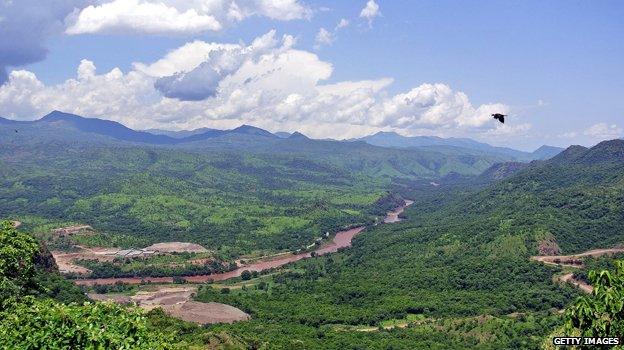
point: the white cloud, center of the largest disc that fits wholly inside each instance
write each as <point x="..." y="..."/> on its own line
<point x="342" y="24"/>
<point x="568" y="135"/>
<point x="284" y="10"/>
<point x="177" y="17"/>
<point x="604" y="131"/>
<point x="203" y="80"/>
<point x="267" y="83"/>
<point x="141" y="16"/>
<point x="323" y="38"/>
<point x="370" y="11"/>
<point x="183" y="59"/>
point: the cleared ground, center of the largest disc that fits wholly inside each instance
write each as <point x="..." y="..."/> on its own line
<point x="177" y="302"/>
<point x="65" y="260"/>
<point x="176" y="247"/>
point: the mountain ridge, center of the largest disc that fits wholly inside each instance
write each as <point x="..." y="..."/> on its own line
<point x="393" y="139"/>
<point x="450" y="146"/>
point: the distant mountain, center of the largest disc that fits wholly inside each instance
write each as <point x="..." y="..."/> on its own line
<point x="251" y="130"/>
<point x="546" y="152"/>
<point x="10" y="121"/>
<point x="105" y="127"/>
<point x="569" y="154"/>
<point x="180" y="134"/>
<point x="298" y="135"/>
<point x="120" y="132"/>
<point x="392" y="139"/>
<point x="282" y="134"/>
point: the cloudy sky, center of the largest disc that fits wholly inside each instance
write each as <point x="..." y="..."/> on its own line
<point x="335" y="69"/>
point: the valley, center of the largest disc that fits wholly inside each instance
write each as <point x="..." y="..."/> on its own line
<point x="341" y="239"/>
<point x="311" y="175"/>
<point x="265" y="240"/>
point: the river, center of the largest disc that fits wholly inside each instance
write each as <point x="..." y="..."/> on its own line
<point x="342" y="239"/>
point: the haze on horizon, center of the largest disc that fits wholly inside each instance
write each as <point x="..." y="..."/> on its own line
<point x="327" y="69"/>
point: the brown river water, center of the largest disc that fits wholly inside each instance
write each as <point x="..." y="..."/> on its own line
<point x="342" y="239"/>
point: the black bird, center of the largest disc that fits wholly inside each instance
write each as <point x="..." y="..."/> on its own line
<point x="499" y="117"/>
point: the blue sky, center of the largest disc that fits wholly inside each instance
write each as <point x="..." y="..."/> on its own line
<point x="555" y="66"/>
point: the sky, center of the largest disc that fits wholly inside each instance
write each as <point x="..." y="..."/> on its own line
<point x="338" y="69"/>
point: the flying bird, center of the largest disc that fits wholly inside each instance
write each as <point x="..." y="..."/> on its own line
<point x="499" y="117"/>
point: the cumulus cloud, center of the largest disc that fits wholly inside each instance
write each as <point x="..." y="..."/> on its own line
<point x="203" y="81"/>
<point x="25" y="26"/>
<point x="370" y="11"/>
<point x="178" y="17"/>
<point x="604" y="131"/>
<point x="323" y="37"/>
<point x="268" y="83"/>
<point x="141" y="16"/>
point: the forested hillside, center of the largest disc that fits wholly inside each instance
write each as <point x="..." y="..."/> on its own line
<point x="457" y="256"/>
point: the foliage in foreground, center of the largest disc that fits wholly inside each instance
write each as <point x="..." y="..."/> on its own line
<point x="602" y="313"/>
<point x="17" y="255"/>
<point x="27" y="322"/>
<point x="45" y="324"/>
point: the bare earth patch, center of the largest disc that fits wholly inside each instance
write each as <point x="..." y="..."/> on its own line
<point x="206" y="313"/>
<point x="65" y="261"/>
<point x="548" y="247"/>
<point x="176" y="247"/>
<point x="177" y="302"/>
<point x="569" y="278"/>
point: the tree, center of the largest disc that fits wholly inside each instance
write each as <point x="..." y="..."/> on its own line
<point x="246" y="275"/>
<point x="17" y="267"/>
<point x="602" y="313"/>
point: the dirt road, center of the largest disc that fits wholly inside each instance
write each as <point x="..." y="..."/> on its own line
<point x="576" y="261"/>
<point x="569" y="278"/>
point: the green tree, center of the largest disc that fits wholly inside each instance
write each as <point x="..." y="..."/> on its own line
<point x="17" y="256"/>
<point x="602" y="313"/>
<point x="45" y="324"/>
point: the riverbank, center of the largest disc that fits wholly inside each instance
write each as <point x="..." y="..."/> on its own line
<point x="342" y="239"/>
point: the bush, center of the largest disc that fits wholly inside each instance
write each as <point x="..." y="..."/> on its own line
<point x="602" y="313"/>
<point x="44" y="324"/>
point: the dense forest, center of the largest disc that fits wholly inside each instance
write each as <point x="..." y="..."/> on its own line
<point x="457" y="255"/>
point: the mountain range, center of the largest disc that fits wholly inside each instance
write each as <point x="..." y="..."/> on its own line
<point x="118" y="131"/>
<point x="392" y="139"/>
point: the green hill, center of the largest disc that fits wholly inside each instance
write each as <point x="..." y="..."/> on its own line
<point x="458" y="258"/>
